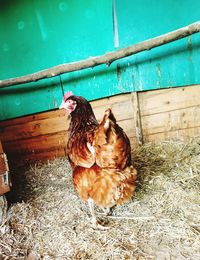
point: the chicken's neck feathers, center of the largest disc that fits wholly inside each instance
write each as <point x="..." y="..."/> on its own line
<point x="78" y="124"/>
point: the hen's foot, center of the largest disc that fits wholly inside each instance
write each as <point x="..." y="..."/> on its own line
<point x="107" y="211"/>
<point x="99" y="225"/>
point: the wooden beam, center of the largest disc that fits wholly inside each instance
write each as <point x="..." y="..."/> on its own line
<point x="107" y="58"/>
<point x="137" y="118"/>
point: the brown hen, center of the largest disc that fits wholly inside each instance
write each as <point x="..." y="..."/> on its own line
<point x="100" y="156"/>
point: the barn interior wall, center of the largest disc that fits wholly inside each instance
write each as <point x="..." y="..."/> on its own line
<point x="166" y="114"/>
<point x="36" y="35"/>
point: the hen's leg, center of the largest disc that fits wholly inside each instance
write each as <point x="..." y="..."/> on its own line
<point x="95" y="223"/>
<point x="91" y="207"/>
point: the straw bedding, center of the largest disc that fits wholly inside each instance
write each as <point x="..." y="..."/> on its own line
<point x="162" y="221"/>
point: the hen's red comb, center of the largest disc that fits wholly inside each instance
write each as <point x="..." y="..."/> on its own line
<point x="67" y="95"/>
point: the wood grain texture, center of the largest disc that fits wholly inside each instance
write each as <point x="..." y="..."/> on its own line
<point x="37" y="145"/>
<point x="22" y="159"/>
<point x="178" y="134"/>
<point x="34" y="128"/>
<point x="170" y="113"/>
<point x="36" y="117"/>
<point x="166" y="100"/>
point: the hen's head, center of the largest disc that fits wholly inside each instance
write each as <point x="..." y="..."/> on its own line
<point x="73" y="103"/>
<point x="82" y="115"/>
<point x="67" y="103"/>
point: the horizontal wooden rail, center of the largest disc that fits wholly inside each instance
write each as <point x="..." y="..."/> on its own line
<point x="107" y="58"/>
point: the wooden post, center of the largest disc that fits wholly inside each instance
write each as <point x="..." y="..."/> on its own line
<point x="137" y="118"/>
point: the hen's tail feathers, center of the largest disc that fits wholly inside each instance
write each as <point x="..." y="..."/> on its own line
<point x="107" y="119"/>
<point x="110" y="115"/>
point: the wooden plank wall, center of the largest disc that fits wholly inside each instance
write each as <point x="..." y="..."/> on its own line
<point x="146" y="116"/>
<point x="36" y="137"/>
<point x="170" y="113"/>
<point x="44" y="136"/>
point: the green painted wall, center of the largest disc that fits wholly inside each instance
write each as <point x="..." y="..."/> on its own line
<point x="174" y="64"/>
<point x="35" y="35"/>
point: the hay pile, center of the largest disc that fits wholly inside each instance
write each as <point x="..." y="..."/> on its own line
<point x="161" y="222"/>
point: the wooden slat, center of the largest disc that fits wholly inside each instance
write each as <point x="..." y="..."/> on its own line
<point x="37" y="144"/>
<point x="165" y="100"/>
<point x="40" y="116"/>
<point x="170" y="121"/>
<point x="18" y="160"/>
<point x="121" y="110"/>
<point x="179" y="134"/>
<point x="110" y="100"/>
<point x="34" y="128"/>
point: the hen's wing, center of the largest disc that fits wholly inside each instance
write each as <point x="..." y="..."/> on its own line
<point x="80" y="151"/>
<point x="111" y="144"/>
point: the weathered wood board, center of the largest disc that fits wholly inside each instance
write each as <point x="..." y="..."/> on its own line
<point x="170" y="114"/>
